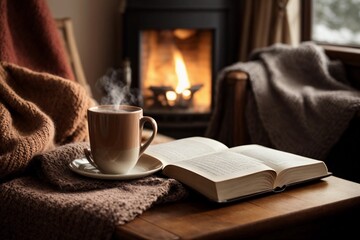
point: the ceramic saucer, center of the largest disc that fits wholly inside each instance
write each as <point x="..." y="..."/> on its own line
<point x="144" y="167"/>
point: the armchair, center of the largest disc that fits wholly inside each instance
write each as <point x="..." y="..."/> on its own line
<point x="236" y="87"/>
<point x="237" y="102"/>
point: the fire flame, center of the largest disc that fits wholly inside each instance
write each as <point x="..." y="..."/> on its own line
<point x="166" y="71"/>
<point x="181" y="72"/>
<point x="183" y="84"/>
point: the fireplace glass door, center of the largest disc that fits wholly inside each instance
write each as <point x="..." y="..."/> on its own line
<point x="176" y="70"/>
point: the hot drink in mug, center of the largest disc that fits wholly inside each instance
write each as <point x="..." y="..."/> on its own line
<point x="115" y="133"/>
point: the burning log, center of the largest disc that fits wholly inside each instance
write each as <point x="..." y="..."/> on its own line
<point x="166" y="96"/>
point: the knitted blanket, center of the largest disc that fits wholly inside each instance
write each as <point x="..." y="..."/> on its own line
<point x="59" y="204"/>
<point x="29" y="38"/>
<point x="37" y="112"/>
<point x="299" y="101"/>
<point x="43" y="127"/>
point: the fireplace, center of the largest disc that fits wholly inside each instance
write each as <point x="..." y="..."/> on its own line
<point x="176" y="48"/>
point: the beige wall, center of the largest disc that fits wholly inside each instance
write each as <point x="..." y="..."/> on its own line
<point x="95" y="24"/>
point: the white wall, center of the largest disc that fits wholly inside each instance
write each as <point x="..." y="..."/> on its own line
<point x="96" y="28"/>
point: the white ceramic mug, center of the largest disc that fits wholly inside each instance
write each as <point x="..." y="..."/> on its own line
<point x="115" y="133"/>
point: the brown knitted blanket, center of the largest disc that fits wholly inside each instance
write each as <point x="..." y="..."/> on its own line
<point x="29" y="38"/>
<point x="37" y="112"/>
<point x="300" y="101"/>
<point x="43" y="127"/>
<point x="58" y="204"/>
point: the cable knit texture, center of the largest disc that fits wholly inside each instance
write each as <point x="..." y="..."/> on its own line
<point x="37" y="112"/>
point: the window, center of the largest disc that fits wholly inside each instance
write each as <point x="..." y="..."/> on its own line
<point x="341" y="25"/>
<point x="336" y="22"/>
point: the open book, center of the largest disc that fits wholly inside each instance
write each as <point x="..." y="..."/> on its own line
<point x="223" y="174"/>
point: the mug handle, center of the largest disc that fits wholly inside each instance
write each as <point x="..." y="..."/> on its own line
<point x="154" y="126"/>
<point x="89" y="157"/>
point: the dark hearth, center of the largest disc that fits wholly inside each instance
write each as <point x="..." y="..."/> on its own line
<point x="171" y="41"/>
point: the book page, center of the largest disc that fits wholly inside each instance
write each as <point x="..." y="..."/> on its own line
<point x="223" y="165"/>
<point x="183" y="149"/>
<point x="275" y="159"/>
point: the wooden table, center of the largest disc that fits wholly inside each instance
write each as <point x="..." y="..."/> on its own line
<point x="326" y="208"/>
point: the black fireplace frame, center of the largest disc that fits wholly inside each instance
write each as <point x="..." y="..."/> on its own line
<point x="218" y="16"/>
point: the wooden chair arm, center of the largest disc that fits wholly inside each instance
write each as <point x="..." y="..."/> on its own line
<point x="237" y="85"/>
<point x="65" y="27"/>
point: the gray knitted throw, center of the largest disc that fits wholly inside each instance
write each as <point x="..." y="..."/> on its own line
<point x="56" y="203"/>
<point x="299" y="101"/>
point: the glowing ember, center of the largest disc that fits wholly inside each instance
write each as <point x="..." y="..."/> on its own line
<point x="165" y="96"/>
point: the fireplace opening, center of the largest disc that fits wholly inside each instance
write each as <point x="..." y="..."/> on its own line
<point x="176" y="70"/>
<point x="176" y="49"/>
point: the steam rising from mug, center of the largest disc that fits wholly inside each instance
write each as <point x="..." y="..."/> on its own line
<point x="115" y="87"/>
